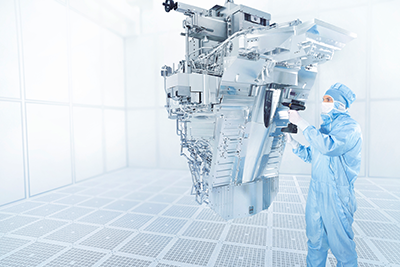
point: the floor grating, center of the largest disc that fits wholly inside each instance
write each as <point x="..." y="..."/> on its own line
<point x="147" y="218"/>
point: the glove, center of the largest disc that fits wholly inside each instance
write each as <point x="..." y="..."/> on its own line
<point x="289" y="139"/>
<point x="295" y="118"/>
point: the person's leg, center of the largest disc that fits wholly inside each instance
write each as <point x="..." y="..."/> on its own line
<point x="317" y="239"/>
<point x="338" y="221"/>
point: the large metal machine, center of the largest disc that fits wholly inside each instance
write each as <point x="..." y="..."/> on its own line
<point x="230" y="97"/>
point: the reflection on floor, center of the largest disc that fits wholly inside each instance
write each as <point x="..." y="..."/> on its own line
<point x="147" y="218"/>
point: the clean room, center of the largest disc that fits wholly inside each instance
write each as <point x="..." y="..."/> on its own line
<point x="91" y="171"/>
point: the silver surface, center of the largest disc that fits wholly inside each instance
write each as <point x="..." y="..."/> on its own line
<point x="226" y="97"/>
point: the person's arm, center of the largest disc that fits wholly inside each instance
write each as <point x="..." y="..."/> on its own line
<point x="301" y="151"/>
<point x="304" y="153"/>
<point x="335" y="143"/>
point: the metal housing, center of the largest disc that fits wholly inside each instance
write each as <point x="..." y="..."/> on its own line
<point x="227" y="95"/>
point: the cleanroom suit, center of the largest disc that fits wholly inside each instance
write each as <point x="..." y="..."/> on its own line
<point x="335" y="156"/>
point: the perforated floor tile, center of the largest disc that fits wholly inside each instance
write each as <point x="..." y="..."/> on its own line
<point x="191" y="251"/>
<point x="288" y="198"/>
<point x="166" y="225"/>
<point x="115" y="261"/>
<point x="4" y="216"/>
<point x="39" y="228"/>
<point x="132" y="221"/>
<point x="303" y="184"/>
<point x="8" y="244"/>
<point x="364" y="251"/>
<point x="285" y="178"/>
<point x="93" y="191"/>
<point x="303" y="178"/>
<point x="31" y="255"/>
<point x="208" y="214"/>
<point x="247" y="235"/>
<point x="389" y="249"/>
<point x="260" y="219"/>
<point x="72" y="200"/>
<point x="188" y="200"/>
<point x="283" y="183"/>
<point x="304" y="190"/>
<point x="288" y="259"/>
<point x="380" y="230"/>
<point x="167" y="265"/>
<point x="107" y="238"/>
<point x="370" y="187"/>
<point x="394" y="214"/>
<point x="108" y="184"/>
<point x="288" y="189"/>
<point x="289" y="221"/>
<point x="72" y="189"/>
<point x="24" y="206"/>
<point x="152" y="188"/>
<point x="362" y="203"/>
<point x="231" y="255"/>
<point x="49" y="197"/>
<point x="391" y="187"/>
<point x="294" y="208"/>
<point x="177" y="190"/>
<point x="122" y="205"/>
<point x="71" y="233"/>
<point x="181" y="211"/>
<point x="96" y="202"/>
<point x="387" y="204"/>
<point x="91" y="182"/>
<point x="72" y="213"/>
<point x="289" y="239"/>
<point x="205" y="230"/>
<point x="115" y="193"/>
<point x="46" y="210"/>
<point x="139" y="195"/>
<point x="77" y="257"/>
<point x="150" y="208"/>
<point x="13" y="223"/>
<point x="100" y="216"/>
<point x="370" y="215"/>
<point x="365" y="264"/>
<point x="238" y="247"/>
<point x="146" y="245"/>
<point x="378" y="195"/>
<point x="164" y="198"/>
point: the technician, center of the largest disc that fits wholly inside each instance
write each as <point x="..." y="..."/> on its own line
<point x="335" y="157"/>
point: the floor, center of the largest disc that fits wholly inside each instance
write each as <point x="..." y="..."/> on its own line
<point x="148" y="218"/>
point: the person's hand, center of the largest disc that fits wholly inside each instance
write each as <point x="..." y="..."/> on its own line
<point x="294" y="117"/>
<point x="289" y="139"/>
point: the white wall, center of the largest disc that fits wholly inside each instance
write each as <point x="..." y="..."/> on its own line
<point x="368" y="65"/>
<point x="62" y="98"/>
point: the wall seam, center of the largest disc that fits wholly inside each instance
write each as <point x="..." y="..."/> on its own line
<point x="367" y="143"/>
<point x="126" y="106"/>
<point x="24" y="123"/>
<point x="71" y="97"/>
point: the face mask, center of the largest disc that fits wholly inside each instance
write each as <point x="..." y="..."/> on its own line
<point x="326" y="107"/>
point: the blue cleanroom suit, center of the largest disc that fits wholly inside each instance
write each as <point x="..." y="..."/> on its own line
<point x="335" y="156"/>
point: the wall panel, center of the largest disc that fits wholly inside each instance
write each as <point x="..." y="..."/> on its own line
<point x="44" y="31"/>
<point x="115" y="139"/>
<point x="88" y="142"/>
<point x="9" y="72"/>
<point x="49" y="147"/>
<point x="85" y="60"/>
<point x="12" y="185"/>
